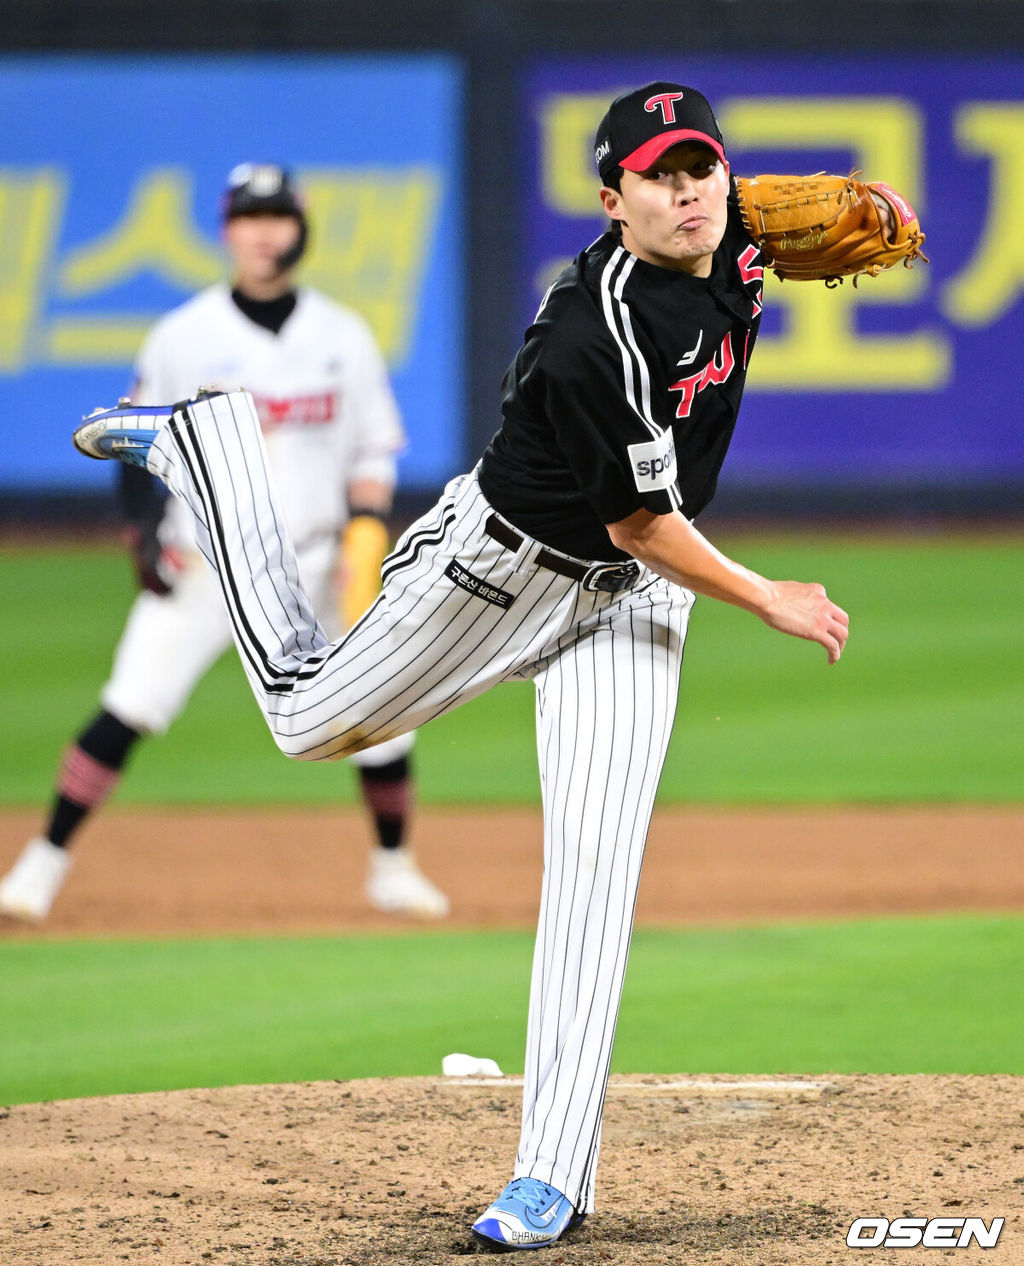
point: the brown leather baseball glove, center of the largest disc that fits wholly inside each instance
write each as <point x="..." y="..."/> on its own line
<point x="825" y="228"/>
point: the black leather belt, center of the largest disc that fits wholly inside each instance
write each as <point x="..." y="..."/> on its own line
<point x="606" y="577"/>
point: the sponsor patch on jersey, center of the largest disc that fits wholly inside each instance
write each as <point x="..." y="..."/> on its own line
<point x="654" y="463"/>
<point x="473" y="584"/>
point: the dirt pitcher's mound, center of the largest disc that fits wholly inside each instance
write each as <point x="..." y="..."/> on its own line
<point x="757" y="1171"/>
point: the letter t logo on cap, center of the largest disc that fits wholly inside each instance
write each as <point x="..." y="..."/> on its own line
<point x="666" y="103"/>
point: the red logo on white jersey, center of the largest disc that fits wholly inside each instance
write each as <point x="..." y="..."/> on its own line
<point x="314" y="410"/>
<point x="714" y="373"/>
<point x="666" y="103"/>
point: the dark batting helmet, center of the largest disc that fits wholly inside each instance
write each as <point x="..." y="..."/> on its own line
<point x="266" y="189"/>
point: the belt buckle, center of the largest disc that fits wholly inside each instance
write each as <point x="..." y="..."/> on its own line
<point x="610" y="577"/>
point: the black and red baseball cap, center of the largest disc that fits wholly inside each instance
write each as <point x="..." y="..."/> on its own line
<point x="643" y="123"/>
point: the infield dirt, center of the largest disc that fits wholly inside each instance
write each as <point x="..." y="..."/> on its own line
<point x="734" y="1171"/>
<point x="302" y="870"/>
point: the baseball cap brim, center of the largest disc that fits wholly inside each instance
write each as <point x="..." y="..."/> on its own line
<point x="649" y="153"/>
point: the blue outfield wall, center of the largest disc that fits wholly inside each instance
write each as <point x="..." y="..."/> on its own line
<point x="111" y="175"/>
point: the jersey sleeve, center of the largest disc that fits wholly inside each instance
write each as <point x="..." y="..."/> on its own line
<point x="598" y="398"/>
<point x="374" y="435"/>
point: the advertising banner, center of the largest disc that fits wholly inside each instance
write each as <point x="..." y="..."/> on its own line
<point x="111" y="176"/>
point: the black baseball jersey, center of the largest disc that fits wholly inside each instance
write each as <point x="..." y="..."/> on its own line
<point x="624" y="394"/>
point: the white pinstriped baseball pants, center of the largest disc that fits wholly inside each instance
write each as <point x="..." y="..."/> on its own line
<point x="606" y="671"/>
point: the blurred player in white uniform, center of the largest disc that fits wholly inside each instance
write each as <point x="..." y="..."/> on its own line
<point x="332" y="431"/>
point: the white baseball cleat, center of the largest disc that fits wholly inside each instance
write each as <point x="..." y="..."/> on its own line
<point x="396" y="885"/>
<point x="30" y="887"/>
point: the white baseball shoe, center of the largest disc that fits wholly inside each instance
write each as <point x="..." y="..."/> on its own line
<point x="396" y="885"/>
<point x="30" y="887"/>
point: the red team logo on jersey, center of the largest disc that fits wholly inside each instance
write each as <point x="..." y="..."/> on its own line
<point x="749" y="271"/>
<point x="721" y="365"/>
<point x="714" y="373"/>
<point x="314" y="410"/>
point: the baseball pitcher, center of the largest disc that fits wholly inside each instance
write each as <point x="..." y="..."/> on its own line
<point x="568" y="557"/>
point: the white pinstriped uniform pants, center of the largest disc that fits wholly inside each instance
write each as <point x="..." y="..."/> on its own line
<point x="606" y="670"/>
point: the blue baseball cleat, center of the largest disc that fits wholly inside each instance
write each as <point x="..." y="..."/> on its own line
<point x="124" y="433"/>
<point x="527" y="1214"/>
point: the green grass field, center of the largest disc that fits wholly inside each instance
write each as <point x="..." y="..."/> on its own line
<point x="927" y="705"/>
<point x="935" y="995"/>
